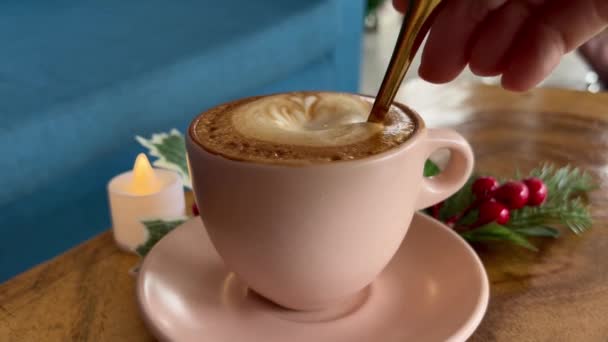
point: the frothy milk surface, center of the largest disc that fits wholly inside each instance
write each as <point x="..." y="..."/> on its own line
<point x="300" y="128"/>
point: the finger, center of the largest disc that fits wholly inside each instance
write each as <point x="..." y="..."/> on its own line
<point x="445" y="53"/>
<point x="535" y="58"/>
<point x="561" y="26"/>
<point x="496" y="35"/>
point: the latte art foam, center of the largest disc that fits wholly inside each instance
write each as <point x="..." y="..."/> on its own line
<point x="303" y="127"/>
<point x="311" y="120"/>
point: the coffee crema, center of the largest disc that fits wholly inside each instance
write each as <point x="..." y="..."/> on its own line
<point x="300" y="128"/>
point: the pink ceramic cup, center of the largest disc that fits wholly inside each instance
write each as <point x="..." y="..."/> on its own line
<point x="308" y="237"/>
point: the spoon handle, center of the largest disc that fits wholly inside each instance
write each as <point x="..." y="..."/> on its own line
<point x="416" y="24"/>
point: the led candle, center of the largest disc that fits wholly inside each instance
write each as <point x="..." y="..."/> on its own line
<point x="143" y="193"/>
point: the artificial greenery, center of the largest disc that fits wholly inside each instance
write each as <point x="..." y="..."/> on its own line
<point x="156" y="230"/>
<point x="373" y="5"/>
<point x="564" y="207"/>
<point x="497" y="232"/>
<point x="170" y="151"/>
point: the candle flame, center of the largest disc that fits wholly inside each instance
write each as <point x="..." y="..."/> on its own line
<point x="144" y="180"/>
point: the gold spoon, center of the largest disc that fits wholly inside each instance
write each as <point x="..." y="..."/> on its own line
<point x="416" y="24"/>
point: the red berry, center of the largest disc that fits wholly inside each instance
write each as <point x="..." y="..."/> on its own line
<point x="194" y="209"/>
<point x="492" y="211"/>
<point x="513" y="194"/>
<point x="484" y="187"/>
<point x="538" y="191"/>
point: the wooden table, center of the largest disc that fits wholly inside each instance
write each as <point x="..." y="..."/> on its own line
<point x="557" y="294"/>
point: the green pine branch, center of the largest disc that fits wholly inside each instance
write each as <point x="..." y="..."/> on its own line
<point x="563" y="183"/>
<point x="572" y="214"/>
<point x="565" y="207"/>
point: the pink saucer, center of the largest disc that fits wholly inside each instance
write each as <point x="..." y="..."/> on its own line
<point x="435" y="289"/>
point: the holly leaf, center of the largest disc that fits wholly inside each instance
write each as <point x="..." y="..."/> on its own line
<point x="458" y="202"/>
<point x="539" y="231"/>
<point x="157" y="229"/>
<point x="469" y="218"/>
<point x="170" y="149"/>
<point x="431" y="169"/>
<point x="497" y="232"/>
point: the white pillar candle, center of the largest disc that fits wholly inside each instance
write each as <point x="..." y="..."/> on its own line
<point x="140" y="194"/>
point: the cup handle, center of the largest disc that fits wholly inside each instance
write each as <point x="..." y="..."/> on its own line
<point x="459" y="168"/>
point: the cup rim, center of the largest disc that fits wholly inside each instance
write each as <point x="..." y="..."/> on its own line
<point x="419" y="128"/>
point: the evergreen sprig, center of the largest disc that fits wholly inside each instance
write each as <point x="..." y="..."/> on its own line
<point x="565" y="207"/>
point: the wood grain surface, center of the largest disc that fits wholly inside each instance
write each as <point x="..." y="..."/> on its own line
<point x="557" y="294"/>
<point x="561" y="292"/>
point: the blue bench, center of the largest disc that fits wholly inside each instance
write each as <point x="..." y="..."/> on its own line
<point x="79" y="79"/>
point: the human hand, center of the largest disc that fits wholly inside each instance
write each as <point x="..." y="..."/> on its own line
<point x="522" y="40"/>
